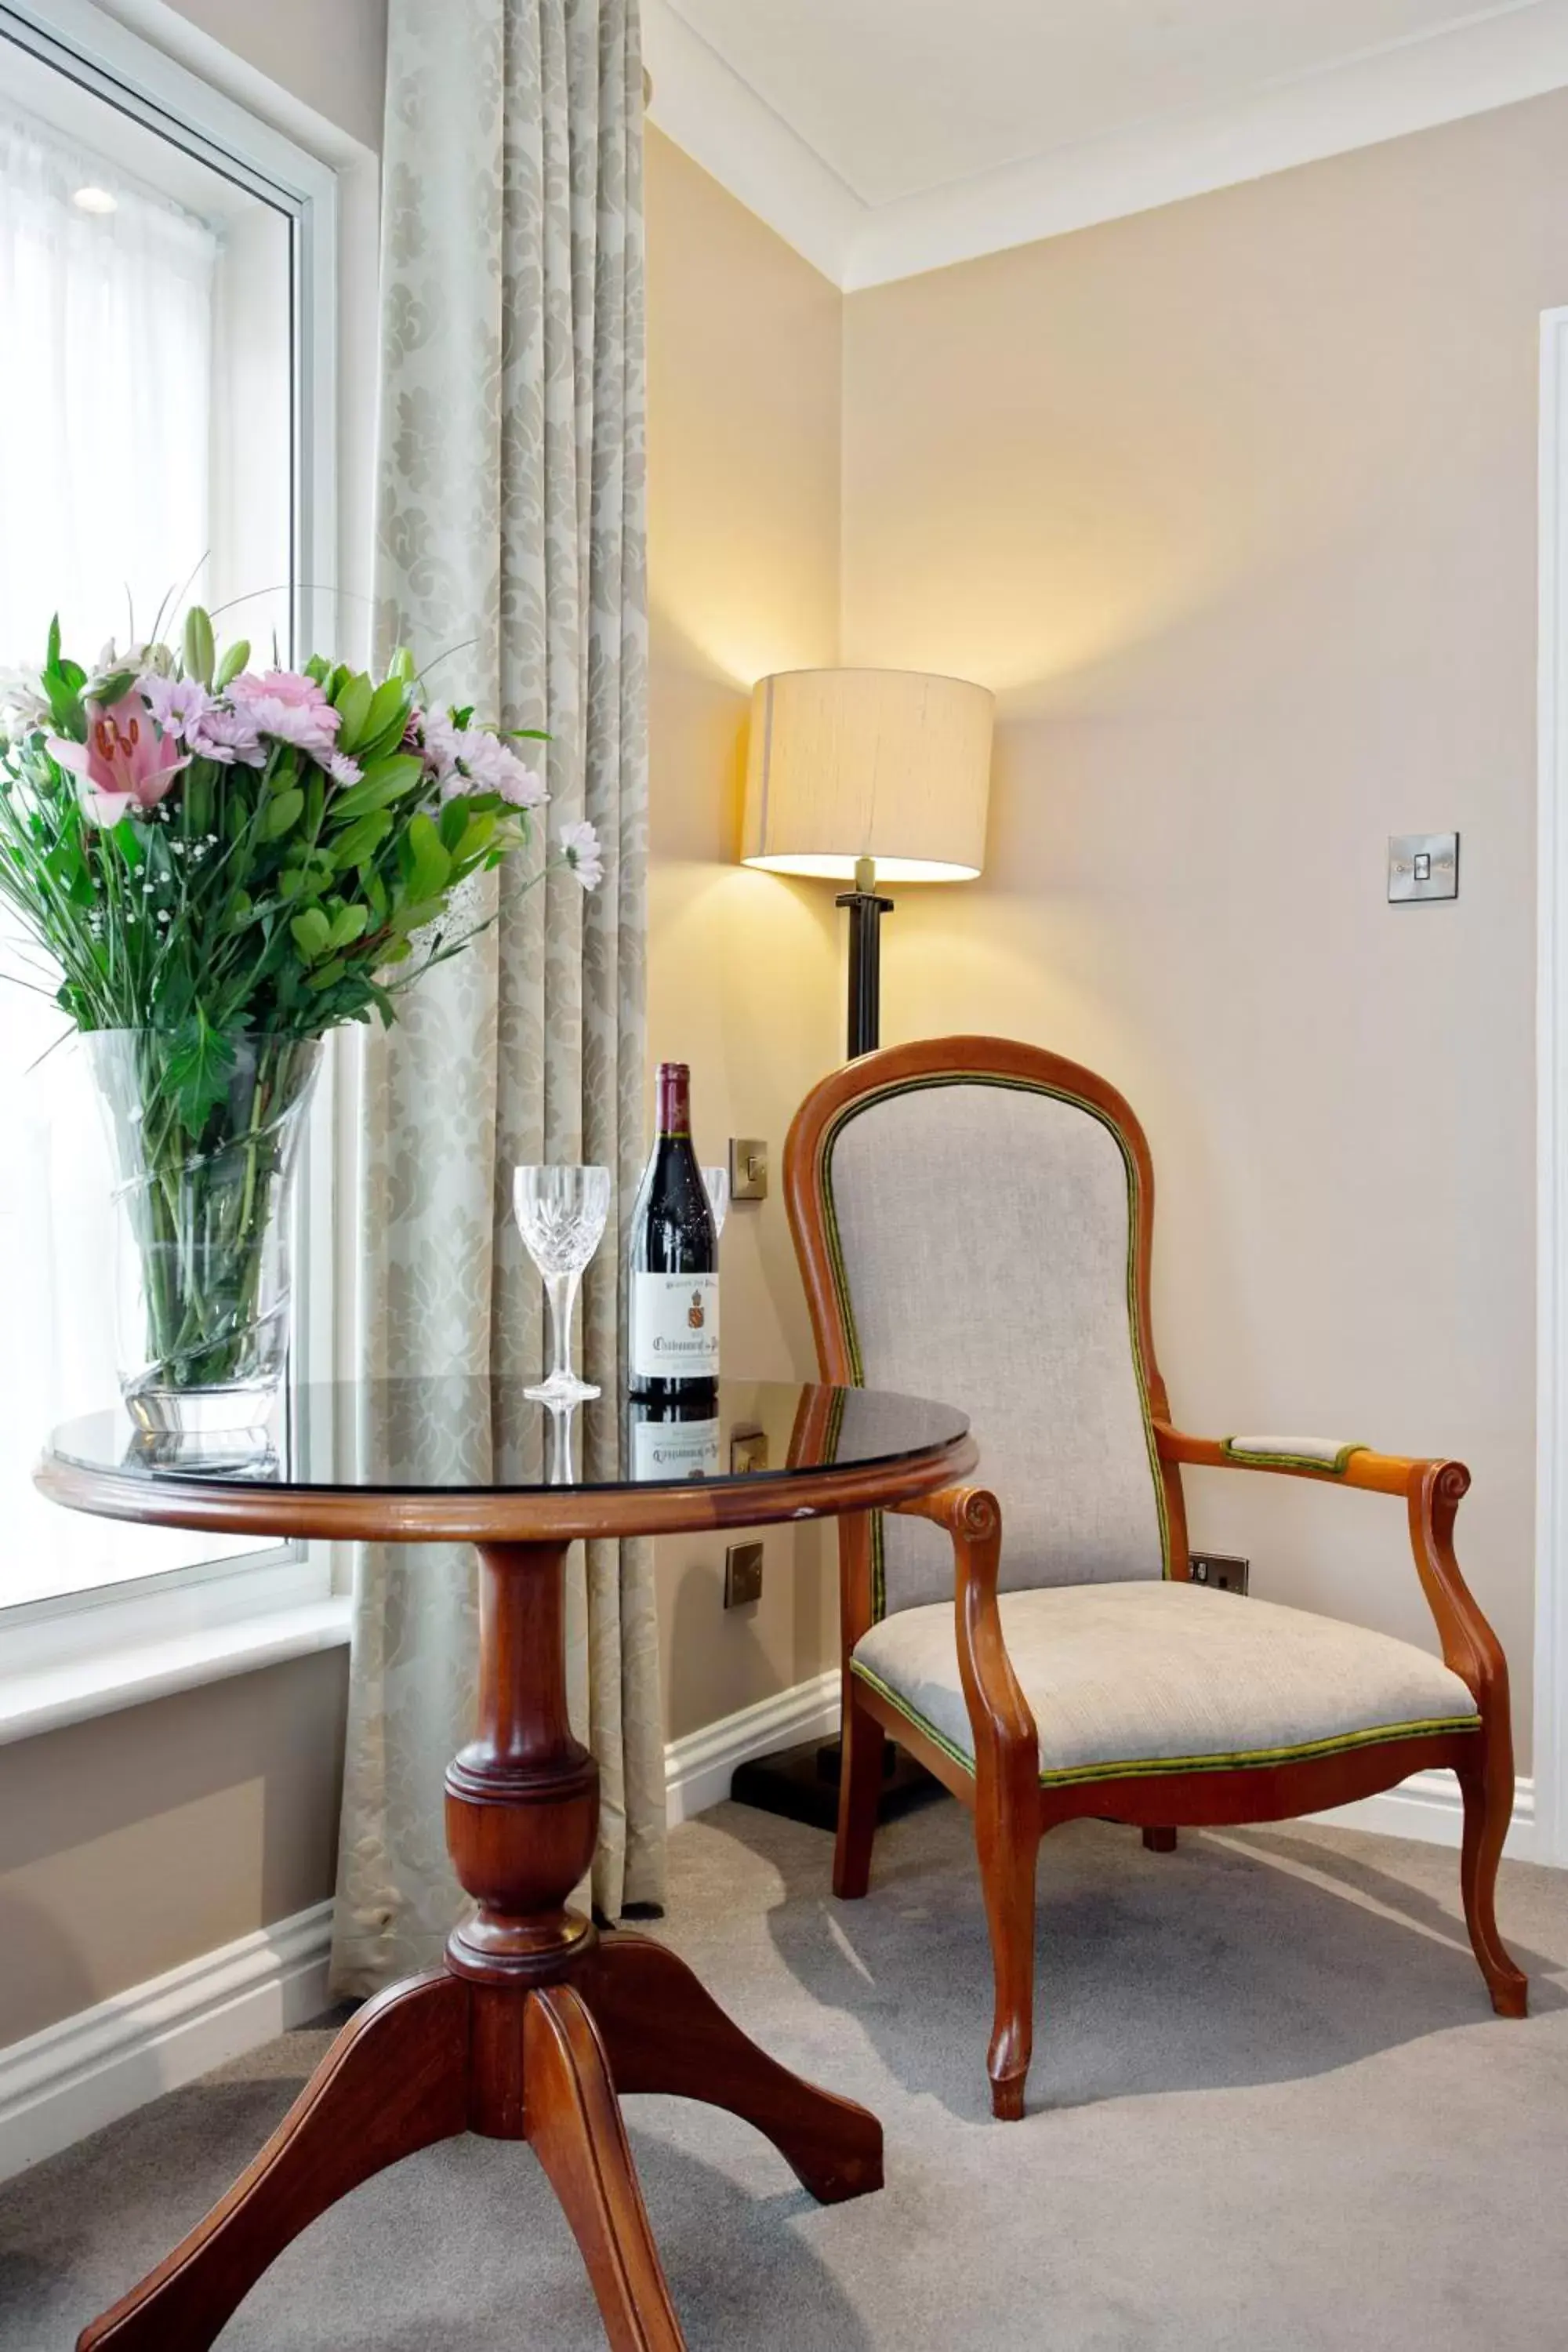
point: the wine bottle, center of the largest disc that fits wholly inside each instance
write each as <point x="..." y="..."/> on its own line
<point x="673" y="1290"/>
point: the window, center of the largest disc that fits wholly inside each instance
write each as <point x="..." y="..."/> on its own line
<point x="166" y="433"/>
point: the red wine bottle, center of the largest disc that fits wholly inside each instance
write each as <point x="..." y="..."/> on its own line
<point x="673" y="1290"/>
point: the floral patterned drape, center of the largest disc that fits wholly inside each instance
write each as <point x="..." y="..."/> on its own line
<point x="510" y="544"/>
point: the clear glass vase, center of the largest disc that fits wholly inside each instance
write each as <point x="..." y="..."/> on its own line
<point x="203" y="1240"/>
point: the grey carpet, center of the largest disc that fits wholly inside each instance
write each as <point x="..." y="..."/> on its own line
<point x="1270" y="2112"/>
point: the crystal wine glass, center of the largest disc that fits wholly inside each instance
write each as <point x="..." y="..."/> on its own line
<point x="716" y="1182"/>
<point x="561" y="1214"/>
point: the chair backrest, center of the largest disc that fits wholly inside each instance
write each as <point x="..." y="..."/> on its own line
<point x="973" y="1218"/>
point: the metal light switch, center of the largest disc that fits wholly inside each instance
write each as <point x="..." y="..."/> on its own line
<point x="747" y="1168"/>
<point x="1423" y="865"/>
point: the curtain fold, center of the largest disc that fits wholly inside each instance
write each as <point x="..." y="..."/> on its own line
<point x="510" y="550"/>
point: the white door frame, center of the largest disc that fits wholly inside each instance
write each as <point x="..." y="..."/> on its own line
<point x="1550" y="1746"/>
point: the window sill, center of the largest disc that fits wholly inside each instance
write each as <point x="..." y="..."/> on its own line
<point x="48" y="1697"/>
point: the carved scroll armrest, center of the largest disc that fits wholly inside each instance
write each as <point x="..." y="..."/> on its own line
<point x="1433" y="1491"/>
<point x="1005" y="1741"/>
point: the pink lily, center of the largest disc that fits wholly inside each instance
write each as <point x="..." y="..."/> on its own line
<point x="124" y="765"/>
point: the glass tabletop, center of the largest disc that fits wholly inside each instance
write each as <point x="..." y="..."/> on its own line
<point x="457" y="1435"/>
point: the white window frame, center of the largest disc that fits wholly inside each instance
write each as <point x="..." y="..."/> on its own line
<point x="68" y="1656"/>
<point x="1551" y="1737"/>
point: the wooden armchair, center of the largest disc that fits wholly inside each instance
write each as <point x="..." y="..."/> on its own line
<point x="974" y="1218"/>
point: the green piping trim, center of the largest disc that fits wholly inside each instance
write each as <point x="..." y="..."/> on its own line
<point x="841" y="1282"/>
<point x="1143" y="1768"/>
<point x="1335" y="1468"/>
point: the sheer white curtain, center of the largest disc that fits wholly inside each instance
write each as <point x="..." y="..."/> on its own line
<point x="105" y="409"/>
<point x="105" y="397"/>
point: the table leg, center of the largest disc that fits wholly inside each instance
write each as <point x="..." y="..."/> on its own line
<point x="664" y="2031"/>
<point x="574" y="2128"/>
<point x="531" y="2032"/>
<point x="393" y="2081"/>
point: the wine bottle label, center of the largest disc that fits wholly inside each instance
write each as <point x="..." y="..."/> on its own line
<point x="674" y="1330"/>
<point x="675" y="1449"/>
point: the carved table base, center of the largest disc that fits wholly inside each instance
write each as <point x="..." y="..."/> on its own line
<point x="530" y="2031"/>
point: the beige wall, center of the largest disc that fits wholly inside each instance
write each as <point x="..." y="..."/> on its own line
<point x="743" y="529"/>
<point x="1234" y="503"/>
<point x="141" y="1838"/>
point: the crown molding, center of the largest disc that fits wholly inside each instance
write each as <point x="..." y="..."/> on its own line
<point x="1494" y="59"/>
<point x="719" y="121"/>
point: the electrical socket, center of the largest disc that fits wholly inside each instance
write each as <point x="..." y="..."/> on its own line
<point x="1223" y="1570"/>
<point x="742" y="1575"/>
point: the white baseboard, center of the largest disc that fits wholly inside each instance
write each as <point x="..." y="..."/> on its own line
<point x="1427" y="1807"/>
<point x="104" y="2063"/>
<point x="697" y="1769"/>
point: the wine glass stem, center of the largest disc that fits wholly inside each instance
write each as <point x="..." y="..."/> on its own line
<point x="561" y="1289"/>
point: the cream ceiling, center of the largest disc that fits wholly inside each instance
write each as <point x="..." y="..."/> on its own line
<point x="884" y="136"/>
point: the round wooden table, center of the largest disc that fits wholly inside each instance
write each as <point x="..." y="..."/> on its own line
<point x="536" y="2023"/>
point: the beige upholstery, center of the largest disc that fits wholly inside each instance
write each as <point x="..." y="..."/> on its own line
<point x="1297" y="1453"/>
<point x="1150" y="1675"/>
<point x="985" y="1232"/>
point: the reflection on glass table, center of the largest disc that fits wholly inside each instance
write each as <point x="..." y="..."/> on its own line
<point x="477" y="1434"/>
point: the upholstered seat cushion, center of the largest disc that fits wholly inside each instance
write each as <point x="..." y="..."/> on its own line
<point x="1155" y="1676"/>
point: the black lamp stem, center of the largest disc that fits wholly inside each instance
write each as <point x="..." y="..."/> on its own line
<point x="866" y="908"/>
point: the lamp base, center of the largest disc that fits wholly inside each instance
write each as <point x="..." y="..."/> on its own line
<point x="866" y="908"/>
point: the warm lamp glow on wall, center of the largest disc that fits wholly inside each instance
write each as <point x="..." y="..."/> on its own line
<point x="867" y="776"/>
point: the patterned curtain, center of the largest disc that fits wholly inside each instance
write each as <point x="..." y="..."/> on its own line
<point x="510" y="545"/>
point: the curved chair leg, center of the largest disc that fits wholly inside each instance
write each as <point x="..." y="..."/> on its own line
<point x="575" y="2130"/>
<point x="665" y="2031"/>
<point x="393" y="2081"/>
<point x="1488" y="1808"/>
<point x="1160" y="1841"/>
<point x="1009" y="1849"/>
<point x="859" y="1792"/>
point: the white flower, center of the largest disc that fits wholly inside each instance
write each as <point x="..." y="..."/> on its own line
<point x="581" y="844"/>
<point x="22" y="698"/>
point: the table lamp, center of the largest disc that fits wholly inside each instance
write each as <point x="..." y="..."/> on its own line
<point x="867" y="776"/>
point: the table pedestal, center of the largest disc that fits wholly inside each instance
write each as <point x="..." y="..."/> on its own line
<point x="531" y="2031"/>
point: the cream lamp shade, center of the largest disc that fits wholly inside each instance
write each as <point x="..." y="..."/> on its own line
<point x="846" y="764"/>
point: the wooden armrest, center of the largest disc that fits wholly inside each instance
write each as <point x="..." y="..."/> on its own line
<point x="1433" y="1491"/>
<point x="1345" y="1465"/>
<point x="1005" y="1741"/>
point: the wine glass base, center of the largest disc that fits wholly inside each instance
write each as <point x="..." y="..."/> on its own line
<point x="561" y="1388"/>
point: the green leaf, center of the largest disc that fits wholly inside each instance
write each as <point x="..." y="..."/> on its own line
<point x="199" y="647"/>
<point x="232" y="662"/>
<point x="453" y="824"/>
<point x="383" y="781"/>
<point x="476" y="840"/>
<point x="352" y="701"/>
<point x="315" y="801"/>
<point x="199" y="1068"/>
<point x="52" y="658"/>
<point x="388" y="704"/>
<point x="312" y="933"/>
<point x="401" y="666"/>
<point x="361" y="840"/>
<point x="282" y="813"/>
<point x="328" y="974"/>
<point x="428" y="863"/>
<point x="349" y="924"/>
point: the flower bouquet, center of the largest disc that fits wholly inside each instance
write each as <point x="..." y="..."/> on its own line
<point x="220" y="865"/>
